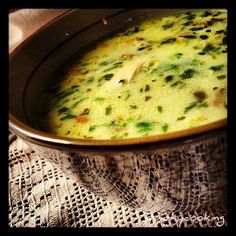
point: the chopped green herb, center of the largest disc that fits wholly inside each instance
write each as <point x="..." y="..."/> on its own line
<point x="189" y="107"/>
<point x="108" y="110"/>
<point x="133" y="106"/>
<point x="115" y="123"/>
<point x="85" y="112"/>
<point x="187" y="23"/>
<point x="68" y="116"/>
<point x="208" y="48"/>
<point x="168" y="25"/>
<point x="76" y="103"/>
<point x="115" y="65"/>
<point x="188" y="36"/>
<point x="160" y="109"/>
<point x="164" y="68"/>
<point x="144" y="47"/>
<point x="90" y="80"/>
<point x="147" y="87"/>
<point x="181" y="118"/>
<point x="176" y="83"/>
<point x="66" y="93"/>
<point x="168" y="40"/>
<point x="206" y="13"/>
<point x="147" y="98"/>
<point x="220" y="77"/>
<point x="132" y="31"/>
<point x="143" y="126"/>
<point x="217" y="68"/>
<point x="92" y="128"/>
<point x="188" y="74"/>
<point x="107" y="76"/>
<point x="169" y="78"/>
<point x="196" y="28"/>
<point x="190" y="16"/>
<point x="74" y="86"/>
<point x="63" y="109"/>
<point x="164" y="128"/>
<point x="203" y="105"/>
<point x="104" y="63"/>
<point x="220" y="31"/>
<point x="178" y="55"/>
<point x="127" y="95"/>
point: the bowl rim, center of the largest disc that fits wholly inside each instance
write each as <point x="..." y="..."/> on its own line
<point x="21" y="129"/>
<point x="25" y="131"/>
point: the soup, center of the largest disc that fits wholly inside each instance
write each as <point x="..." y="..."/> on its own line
<point x="155" y="77"/>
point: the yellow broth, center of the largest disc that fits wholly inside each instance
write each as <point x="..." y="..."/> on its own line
<point x="156" y="77"/>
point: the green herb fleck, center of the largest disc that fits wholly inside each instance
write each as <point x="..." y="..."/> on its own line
<point x="104" y="63"/>
<point x="147" y="88"/>
<point x="115" y="65"/>
<point x="92" y="128"/>
<point x="181" y="118"/>
<point x="107" y="76"/>
<point x="76" y="103"/>
<point x="85" y="112"/>
<point x="220" y="77"/>
<point x="63" y="109"/>
<point x="176" y="83"/>
<point x="90" y="80"/>
<point x="147" y="98"/>
<point x="203" y="105"/>
<point x="178" y="55"/>
<point x="143" y="126"/>
<point x="217" y="68"/>
<point x="208" y="48"/>
<point x="169" y="78"/>
<point x="132" y="31"/>
<point x="188" y="74"/>
<point x="164" y="68"/>
<point x="67" y="92"/>
<point x="190" y="106"/>
<point x="168" y="25"/>
<point x="190" y="16"/>
<point x="133" y="106"/>
<point x="108" y="110"/>
<point x="168" y="40"/>
<point x="68" y="116"/>
<point x="160" y="109"/>
<point x="164" y="128"/>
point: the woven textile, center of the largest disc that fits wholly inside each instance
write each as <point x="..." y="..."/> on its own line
<point x="62" y="189"/>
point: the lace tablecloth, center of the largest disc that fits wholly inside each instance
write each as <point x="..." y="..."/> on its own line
<point x="41" y="194"/>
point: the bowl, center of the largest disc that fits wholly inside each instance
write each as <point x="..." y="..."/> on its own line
<point x="171" y="172"/>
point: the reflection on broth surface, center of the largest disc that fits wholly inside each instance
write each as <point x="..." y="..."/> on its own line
<point x="156" y="77"/>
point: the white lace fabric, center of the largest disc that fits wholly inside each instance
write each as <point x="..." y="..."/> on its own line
<point x="64" y="190"/>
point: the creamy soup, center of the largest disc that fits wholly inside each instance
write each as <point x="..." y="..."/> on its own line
<point x="156" y="77"/>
